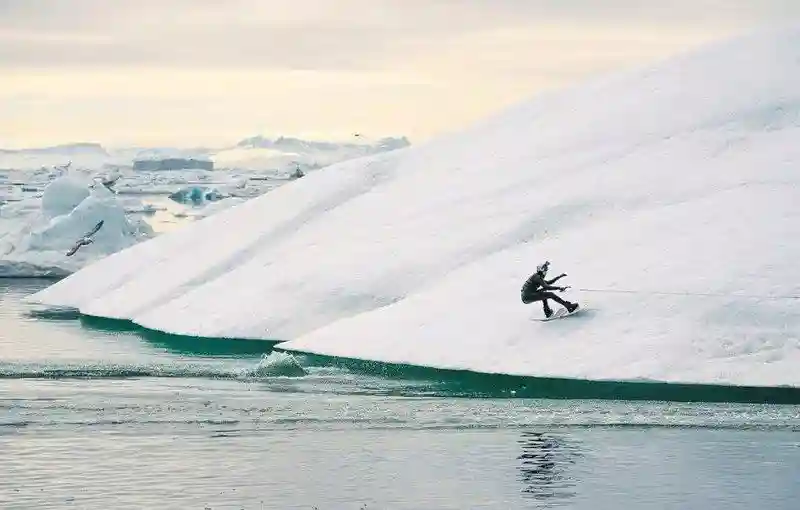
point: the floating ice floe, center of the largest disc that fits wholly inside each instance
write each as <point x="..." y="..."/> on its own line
<point x="196" y="195"/>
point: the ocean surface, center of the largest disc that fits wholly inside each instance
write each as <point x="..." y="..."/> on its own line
<point x="100" y="414"/>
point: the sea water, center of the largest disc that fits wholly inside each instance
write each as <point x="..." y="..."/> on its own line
<point x="100" y="414"/>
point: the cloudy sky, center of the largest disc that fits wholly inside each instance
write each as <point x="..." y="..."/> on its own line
<point x="186" y="72"/>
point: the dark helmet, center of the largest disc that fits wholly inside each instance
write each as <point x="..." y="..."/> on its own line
<point x="542" y="268"/>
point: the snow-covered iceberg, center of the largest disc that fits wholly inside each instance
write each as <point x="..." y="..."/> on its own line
<point x="671" y="193"/>
<point x="38" y="233"/>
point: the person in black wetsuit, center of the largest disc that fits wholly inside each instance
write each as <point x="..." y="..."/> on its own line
<point x="537" y="288"/>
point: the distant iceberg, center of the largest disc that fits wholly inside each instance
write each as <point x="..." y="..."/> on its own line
<point x="167" y="164"/>
<point x="39" y="233"/>
<point x="253" y="154"/>
<point x="670" y="194"/>
<point x="197" y="195"/>
<point x="286" y="154"/>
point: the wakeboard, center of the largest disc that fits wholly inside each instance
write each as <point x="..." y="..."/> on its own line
<point x="560" y="314"/>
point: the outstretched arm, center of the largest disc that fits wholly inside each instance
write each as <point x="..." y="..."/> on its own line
<point x="554" y="280"/>
<point x="537" y="282"/>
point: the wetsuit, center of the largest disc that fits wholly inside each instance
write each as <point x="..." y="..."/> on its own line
<point x="536" y="288"/>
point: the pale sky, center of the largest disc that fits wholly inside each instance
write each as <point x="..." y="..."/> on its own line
<point x="205" y="72"/>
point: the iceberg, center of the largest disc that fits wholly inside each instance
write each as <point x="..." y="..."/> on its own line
<point x="63" y="195"/>
<point x="286" y="155"/>
<point x="670" y="194"/>
<point x="41" y="232"/>
<point x="255" y="154"/>
<point x="196" y="195"/>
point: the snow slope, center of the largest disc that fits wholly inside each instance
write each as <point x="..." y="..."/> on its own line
<point x="671" y="192"/>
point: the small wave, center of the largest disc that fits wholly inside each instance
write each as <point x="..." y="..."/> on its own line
<point x="229" y="427"/>
<point x="375" y="422"/>
<point x="14" y="424"/>
<point x="138" y="422"/>
<point x="279" y="364"/>
<point x="125" y="371"/>
<point x="54" y="314"/>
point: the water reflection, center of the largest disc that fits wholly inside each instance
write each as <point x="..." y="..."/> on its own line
<point x="544" y="469"/>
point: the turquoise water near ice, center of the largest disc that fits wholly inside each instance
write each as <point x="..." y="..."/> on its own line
<point x="101" y="414"/>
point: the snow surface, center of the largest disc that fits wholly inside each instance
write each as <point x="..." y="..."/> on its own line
<point x="671" y="192"/>
<point x="37" y="233"/>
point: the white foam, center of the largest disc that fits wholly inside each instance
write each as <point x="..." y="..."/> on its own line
<point x="278" y="364"/>
<point x="677" y="182"/>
